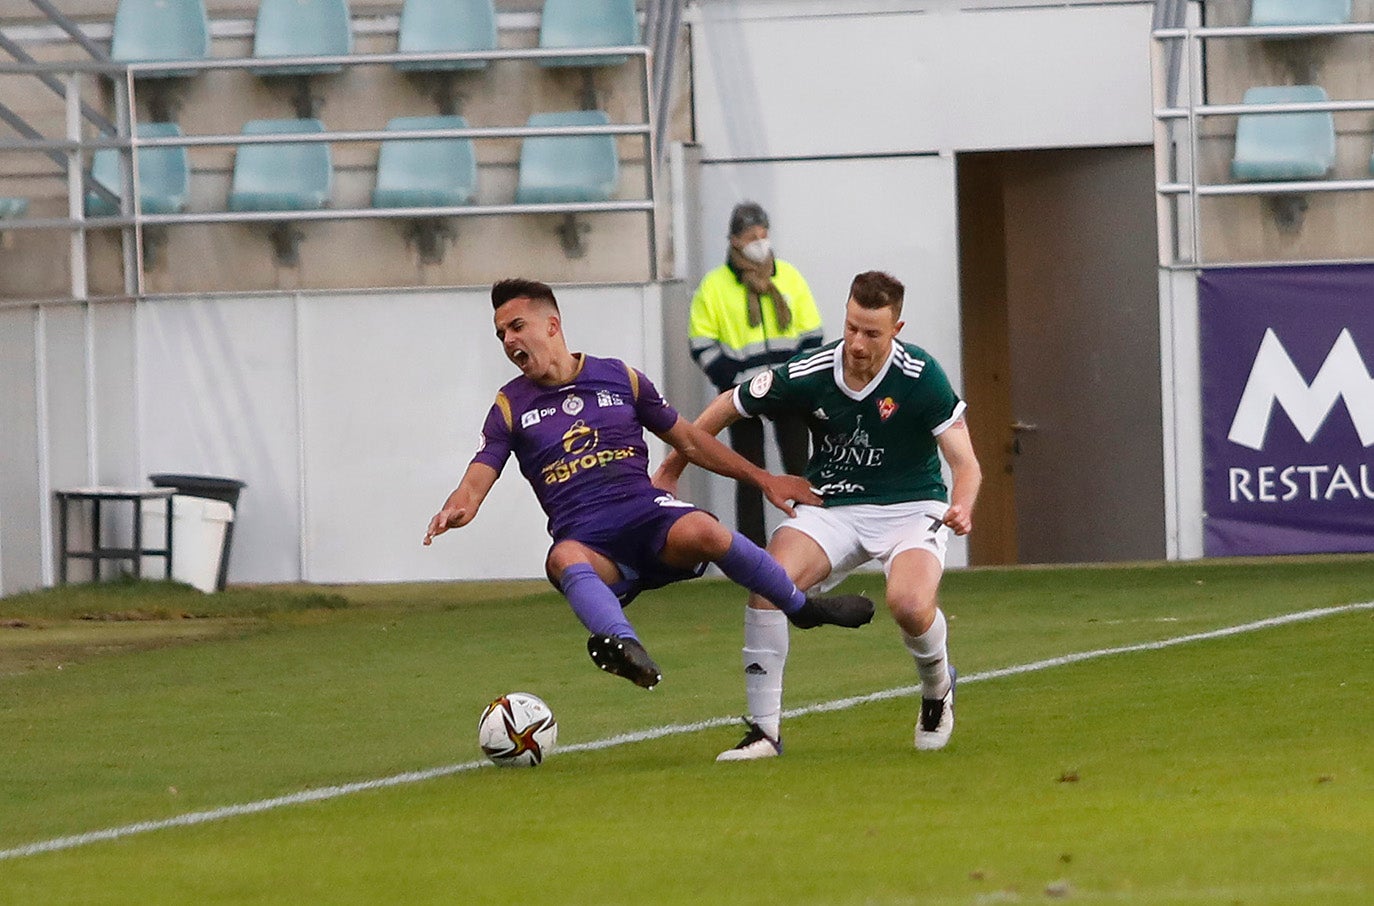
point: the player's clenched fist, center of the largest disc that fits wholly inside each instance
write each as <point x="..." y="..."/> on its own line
<point x="959" y="519"/>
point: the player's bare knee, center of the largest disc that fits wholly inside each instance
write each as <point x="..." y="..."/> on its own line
<point x="702" y="539"/>
<point x="716" y="541"/>
<point x="561" y="556"/>
<point x="914" y="613"/>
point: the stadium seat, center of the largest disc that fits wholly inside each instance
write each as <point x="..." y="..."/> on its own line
<point x="568" y="168"/>
<point x="160" y="30"/>
<point x="299" y="28"/>
<point x="422" y="173"/>
<point x="1299" y="12"/>
<point x="430" y="26"/>
<point x="587" y="23"/>
<point x="1284" y="146"/>
<point x="425" y="173"/>
<point x="164" y="175"/>
<point x="282" y="177"/>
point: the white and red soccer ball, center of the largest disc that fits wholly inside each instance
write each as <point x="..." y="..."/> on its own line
<point x="517" y="730"/>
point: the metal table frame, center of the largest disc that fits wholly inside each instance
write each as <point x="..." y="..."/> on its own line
<point x="97" y="553"/>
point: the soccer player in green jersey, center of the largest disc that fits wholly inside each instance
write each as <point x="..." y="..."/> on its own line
<point x="881" y="414"/>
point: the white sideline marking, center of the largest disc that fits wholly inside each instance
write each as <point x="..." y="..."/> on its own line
<point x="346" y="789"/>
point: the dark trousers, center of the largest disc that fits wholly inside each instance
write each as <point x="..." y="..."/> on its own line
<point x="746" y="437"/>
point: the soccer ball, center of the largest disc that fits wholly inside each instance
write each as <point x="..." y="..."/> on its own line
<point x="517" y="730"/>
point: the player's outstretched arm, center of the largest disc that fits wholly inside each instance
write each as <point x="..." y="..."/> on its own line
<point x="718" y="415"/>
<point x="701" y="448"/>
<point x="463" y="503"/>
<point x="957" y="448"/>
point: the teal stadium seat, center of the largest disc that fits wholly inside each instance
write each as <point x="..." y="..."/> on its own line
<point x="164" y="175"/>
<point x="587" y="23"/>
<point x="430" y="26"/>
<point x="1299" y="12"/>
<point x="568" y="169"/>
<point x="12" y="208"/>
<point x="1284" y="146"/>
<point x="300" y="28"/>
<point x="425" y="173"/>
<point x="282" y="177"/>
<point x="155" y="31"/>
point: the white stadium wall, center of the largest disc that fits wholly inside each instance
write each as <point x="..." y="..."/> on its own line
<point x="801" y="79"/>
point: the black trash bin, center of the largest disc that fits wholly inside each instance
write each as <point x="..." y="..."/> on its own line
<point x="226" y="489"/>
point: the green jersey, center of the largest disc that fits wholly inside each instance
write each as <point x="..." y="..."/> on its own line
<point x="875" y="445"/>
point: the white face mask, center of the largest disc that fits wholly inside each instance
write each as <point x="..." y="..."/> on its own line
<point x="757" y="251"/>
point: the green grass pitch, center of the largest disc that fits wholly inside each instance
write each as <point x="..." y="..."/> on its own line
<point x="1228" y="770"/>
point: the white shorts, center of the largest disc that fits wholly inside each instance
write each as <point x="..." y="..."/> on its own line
<point x="852" y="535"/>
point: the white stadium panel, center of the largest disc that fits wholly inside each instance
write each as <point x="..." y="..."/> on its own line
<point x="775" y="80"/>
<point x="217" y="396"/>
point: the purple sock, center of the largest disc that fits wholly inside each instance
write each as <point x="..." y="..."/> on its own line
<point x="594" y="602"/>
<point x="749" y="565"/>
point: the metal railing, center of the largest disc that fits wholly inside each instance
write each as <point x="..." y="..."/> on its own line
<point x="662" y="30"/>
<point x="1178" y="116"/>
<point x="69" y="151"/>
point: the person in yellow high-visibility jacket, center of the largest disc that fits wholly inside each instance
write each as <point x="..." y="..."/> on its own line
<point x="751" y="313"/>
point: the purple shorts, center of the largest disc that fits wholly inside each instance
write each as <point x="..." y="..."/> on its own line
<point x="631" y="534"/>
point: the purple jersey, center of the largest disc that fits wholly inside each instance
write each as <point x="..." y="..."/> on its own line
<point x="580" y="444"/>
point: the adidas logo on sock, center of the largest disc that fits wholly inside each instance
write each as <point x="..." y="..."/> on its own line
<point x="755" y="669"/>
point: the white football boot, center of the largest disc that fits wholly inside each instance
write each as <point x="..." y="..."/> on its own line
<point x="755" y="744"/>
<point x="937" y="719"/>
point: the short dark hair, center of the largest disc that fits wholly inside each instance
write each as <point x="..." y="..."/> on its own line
<point x="875" y="289"/>
<point x="517" y="287"/>
<point x="747" y="214"/>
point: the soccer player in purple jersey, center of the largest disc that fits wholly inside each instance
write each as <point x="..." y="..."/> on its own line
<point x="576" y="426"/>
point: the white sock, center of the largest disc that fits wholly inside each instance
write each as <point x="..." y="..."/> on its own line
<point x="765" y="655"/>
<point x="932" y="657"/>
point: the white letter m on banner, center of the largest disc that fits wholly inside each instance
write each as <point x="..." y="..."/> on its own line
<point x="1275" y="379"/>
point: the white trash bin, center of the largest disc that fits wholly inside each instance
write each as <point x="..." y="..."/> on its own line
<point x="198" y="528"/>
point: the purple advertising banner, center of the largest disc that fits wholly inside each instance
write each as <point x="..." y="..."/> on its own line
<point x="1287" y="409"/>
